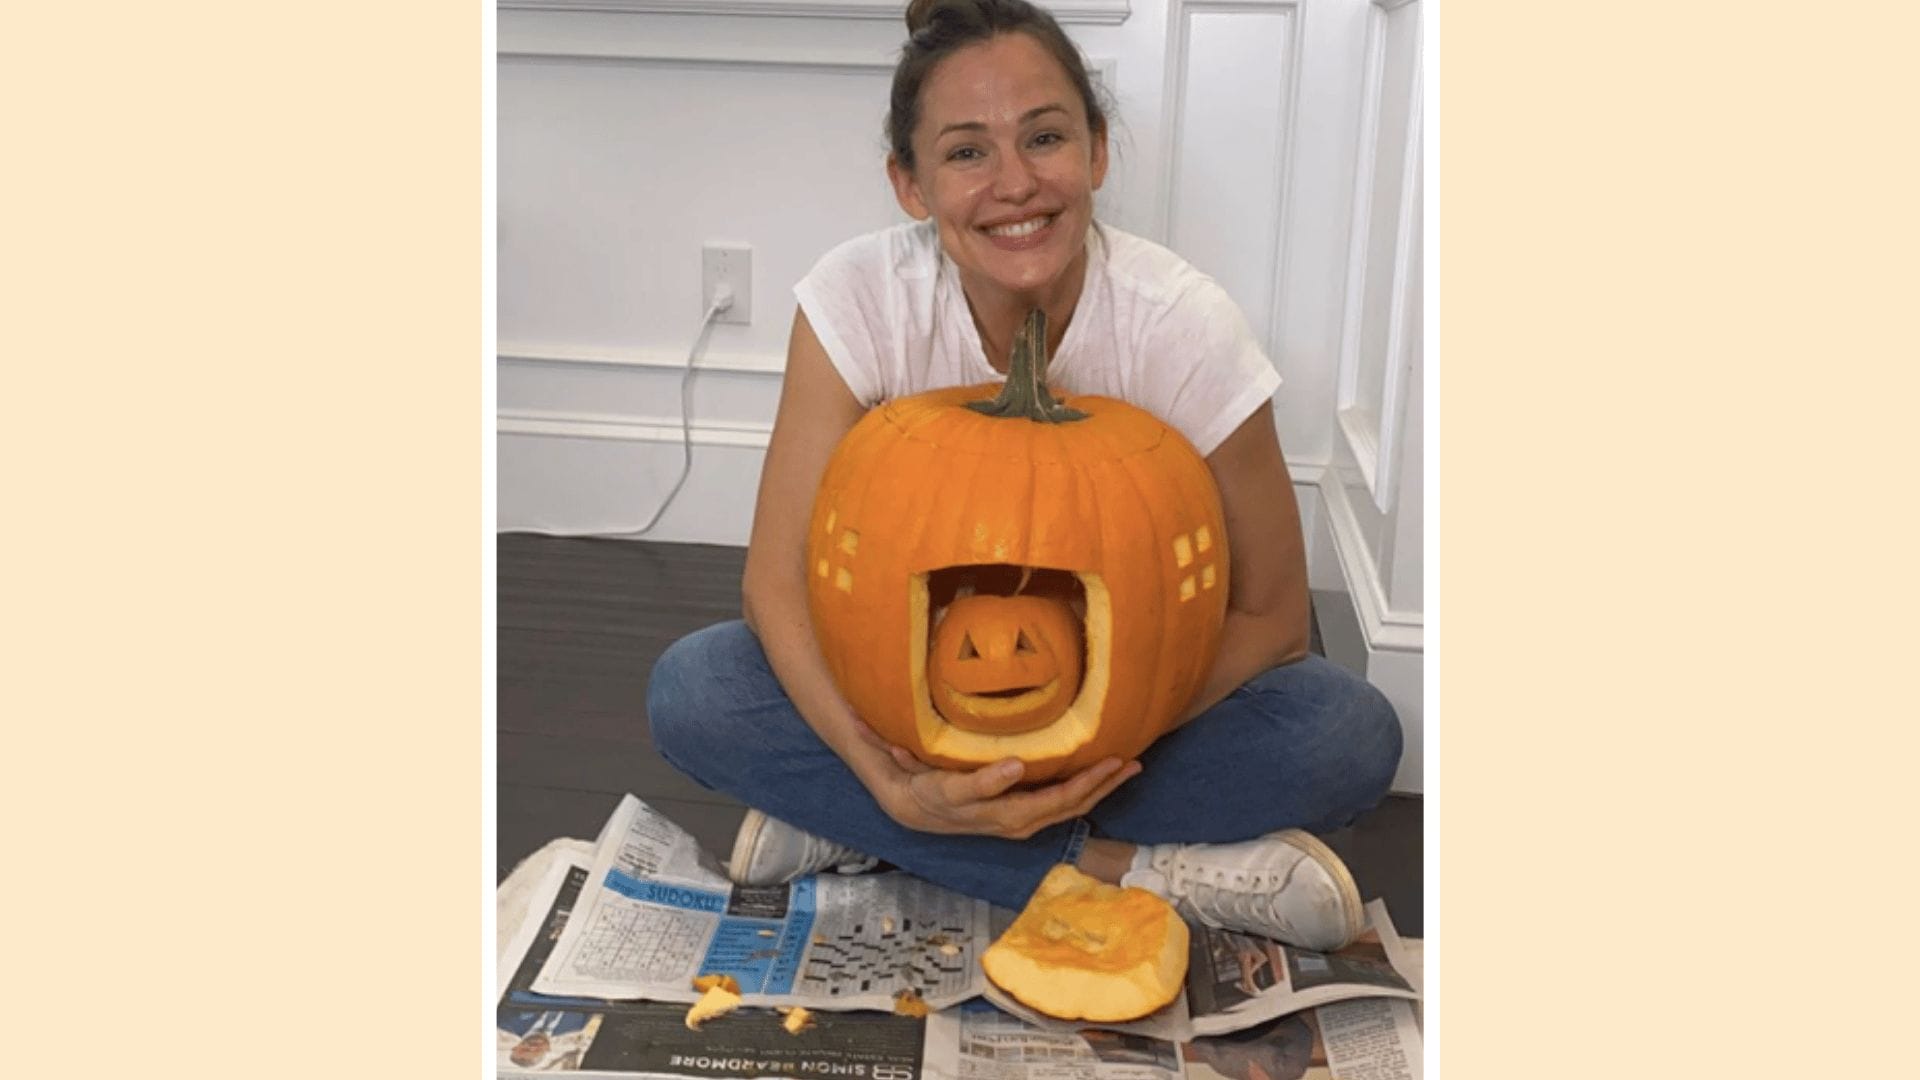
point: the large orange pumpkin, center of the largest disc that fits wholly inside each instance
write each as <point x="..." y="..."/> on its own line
<point x="954" y="508"/>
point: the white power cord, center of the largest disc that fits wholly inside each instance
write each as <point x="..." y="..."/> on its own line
<point x="722" y="300"/>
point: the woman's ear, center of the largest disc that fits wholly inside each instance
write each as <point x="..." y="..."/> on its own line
<point x="906" y="189"/>
<point x="1099" y="158"/>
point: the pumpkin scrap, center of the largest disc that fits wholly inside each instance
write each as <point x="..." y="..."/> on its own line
<point x="704" y="983"/>
<point x="717" y="1001"/>
<point x="908" y="1002"/>
<point x="797" y="1020"/>
<point x="1086" y="950"/>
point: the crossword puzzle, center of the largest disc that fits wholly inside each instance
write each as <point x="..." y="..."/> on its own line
<point x="880" y="958"/>
<point x="647" y="944"/>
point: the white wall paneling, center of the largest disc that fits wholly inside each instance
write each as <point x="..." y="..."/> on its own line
<point x="1230" y="85"/>
<point x="1385" y="627"/>
<point x="719" y="392"/>
<point x="1371" y="525"/>
<point x="600" y="238"/>
<point x="1379" y="322"/>
<point x="1067" y="12"/>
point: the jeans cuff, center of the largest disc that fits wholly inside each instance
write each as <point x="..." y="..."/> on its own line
<point x="1077" y="832"/>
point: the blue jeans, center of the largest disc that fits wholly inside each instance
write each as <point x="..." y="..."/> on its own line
<point x="1305" y="745"/>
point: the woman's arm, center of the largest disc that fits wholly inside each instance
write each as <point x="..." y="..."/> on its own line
<point x="1269" y="619"/>
<point x="816" y="409"/>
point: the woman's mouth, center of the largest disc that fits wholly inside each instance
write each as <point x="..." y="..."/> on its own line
<point x="1019" y="235"/>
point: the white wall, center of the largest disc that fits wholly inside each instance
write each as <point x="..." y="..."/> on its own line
<point x="631" y="134"/>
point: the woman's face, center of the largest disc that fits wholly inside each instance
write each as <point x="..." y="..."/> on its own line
<point x="1006" y="165"/>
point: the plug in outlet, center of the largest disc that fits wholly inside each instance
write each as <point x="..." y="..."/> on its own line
<point x="733" y="264"/>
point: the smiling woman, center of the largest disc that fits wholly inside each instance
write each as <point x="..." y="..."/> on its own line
<point x="1176" y="581"/>
<point x="1003" y="152"/>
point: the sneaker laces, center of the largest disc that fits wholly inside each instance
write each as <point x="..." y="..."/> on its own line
<point x="1237" y="902"/>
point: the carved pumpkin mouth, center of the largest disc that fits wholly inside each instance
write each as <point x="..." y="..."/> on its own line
<point x="1020" y="665"/>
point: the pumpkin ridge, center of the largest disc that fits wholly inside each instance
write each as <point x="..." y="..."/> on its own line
<point x="1153" y="609"/>
<point x="1174" y="658"/>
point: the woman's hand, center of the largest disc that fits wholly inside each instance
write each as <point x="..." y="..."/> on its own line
<point x="979" y="802"/>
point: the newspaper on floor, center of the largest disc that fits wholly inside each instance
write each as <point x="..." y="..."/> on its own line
<point x="658" y="911"/>
<point x="1363" y="1039"/>
<point x="1360" y="1039"/>
<point x="542" y="1033"/>
<point x="1237" y="981"/>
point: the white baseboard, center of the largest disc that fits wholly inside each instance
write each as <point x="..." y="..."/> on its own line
<point x="583" y="473"/>
<point x="1386" y="629"/>
<point x="1361" y="634"/>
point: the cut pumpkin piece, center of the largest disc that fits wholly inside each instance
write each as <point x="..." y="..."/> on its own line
<point x="1086" y="950"/>
<point x="717" y="1001"/>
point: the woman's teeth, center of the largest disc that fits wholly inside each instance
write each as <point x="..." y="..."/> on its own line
<point x="1022" y="228"/>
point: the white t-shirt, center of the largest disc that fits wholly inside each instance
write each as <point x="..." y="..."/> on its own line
<point x="1149" y="329"/>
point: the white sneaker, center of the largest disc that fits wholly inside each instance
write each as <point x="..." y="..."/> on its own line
<point x="771" y="852"/>
<point x="1284" y="885"/>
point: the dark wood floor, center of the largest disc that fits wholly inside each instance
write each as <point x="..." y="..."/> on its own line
<point x="580" y="625"/>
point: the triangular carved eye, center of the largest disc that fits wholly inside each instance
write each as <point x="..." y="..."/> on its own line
<point x="967" y="651"/>
<point x="1023" y="645"/>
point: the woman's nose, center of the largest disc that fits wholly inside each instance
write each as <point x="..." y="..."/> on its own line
<point x="1015" y="179"/>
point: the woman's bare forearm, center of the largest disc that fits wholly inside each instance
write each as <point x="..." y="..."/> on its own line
<point x="777" y="613"/>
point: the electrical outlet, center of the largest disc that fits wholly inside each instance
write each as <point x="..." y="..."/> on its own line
<point x="733" y="264"/>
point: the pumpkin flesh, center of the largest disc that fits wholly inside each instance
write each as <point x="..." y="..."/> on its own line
<point x="1086" y="950"/>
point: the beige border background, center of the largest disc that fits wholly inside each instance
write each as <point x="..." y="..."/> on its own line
<point x="241" y="590"/>
<point x="1678" y="346"/>
<point x="242" y="586"/>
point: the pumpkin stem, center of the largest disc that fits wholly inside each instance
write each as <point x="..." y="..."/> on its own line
<point x="1025" y="394"/>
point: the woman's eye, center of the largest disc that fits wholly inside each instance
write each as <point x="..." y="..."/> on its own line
<point x="1048" y="138"/>
<point x="963" y="153"/>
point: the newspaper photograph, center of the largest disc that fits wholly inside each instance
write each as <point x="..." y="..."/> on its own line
<point x="979" y="1042"/>
<point x="659" y="911"/>
<point x="541" y="1033"/>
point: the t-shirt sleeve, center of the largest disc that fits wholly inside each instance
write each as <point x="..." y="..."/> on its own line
<point x="1220" y="374"/>
<point x="844" y="298"/>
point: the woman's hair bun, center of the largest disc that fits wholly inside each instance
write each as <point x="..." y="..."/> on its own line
<point x="920" y="13"/>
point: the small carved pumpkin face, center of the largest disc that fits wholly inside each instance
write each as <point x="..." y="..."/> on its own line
<point x="1005" y="664"/>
